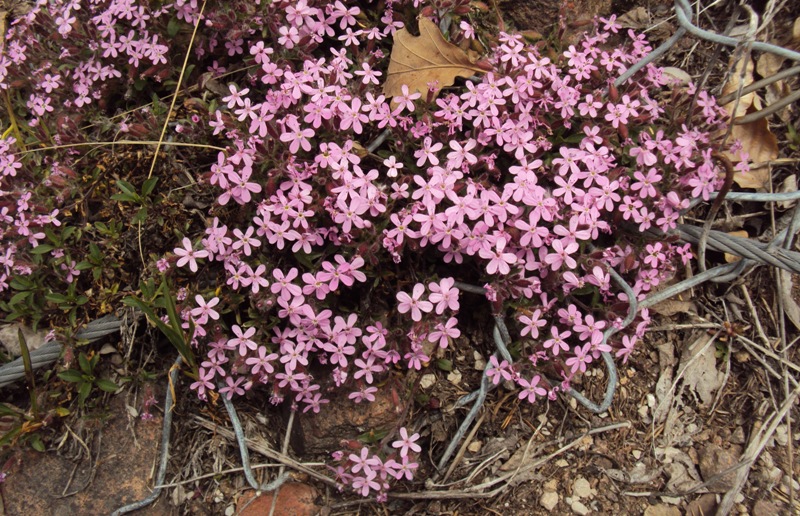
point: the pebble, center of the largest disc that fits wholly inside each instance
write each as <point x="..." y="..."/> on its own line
<point x="427" y="380"/>
<point x="454" y="377"/>
<point x="637" y="454"/>
<point x="549" y="500"/>
<point x="582" y="489"/>
<point x="578" y="508"/>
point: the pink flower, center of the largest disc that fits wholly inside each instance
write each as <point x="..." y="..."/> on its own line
<point x="242" y="340"/>
<point x="407" y="442"/>
<point x="414" y="303"/>
<point x="443" y="332"/>
<point x="189" y="255"/>
<point x="204" y="310"/>
<point x="531" y="389"/>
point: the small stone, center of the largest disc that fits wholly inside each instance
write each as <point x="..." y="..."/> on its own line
<point x="427" y="381"/>
<point x="582" y="489"/>
<point x="562" y="463"/>
<point x="549" y="500"/>
<point x="765" y="508"/>
<point x="637" y="454"/>
<point x="454" y="377"/>
<point x="475" y="446"/>
<point x="714" y="460"/>
<point x="662" y="509"/>
<point x="551" y="485"/>
<point x="781" y="435"/>
<point x="480" y="362"/>
<point x="578" y="508"/>
<point x="705" y="505"/>
<point x="230" y="510"/>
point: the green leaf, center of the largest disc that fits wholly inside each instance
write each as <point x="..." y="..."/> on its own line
<point x="444" y="364"/>
<point x="55" y="297"/>
<point x="5" y="410"/>
<point x="36" y="442"/>
<point x="42" y="249"/>
<point x="176" y="337"/>
<point x="62" y="411"/>
<point x="9" y="436"/>
<point x="84" y="363"/>
<point x="140" y="216"/>
<point x="173" y="27"/>
<point x="106" y="385"/>
<point x="71" y="375"/>
<point x="19" y="297"/>
<point x="83" y="392"/>
<point x="148" y="186"/>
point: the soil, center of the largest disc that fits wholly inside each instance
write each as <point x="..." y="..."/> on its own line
<point x="691" y="405"/>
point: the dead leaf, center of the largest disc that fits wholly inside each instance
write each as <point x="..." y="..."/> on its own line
<point x="636" y="19"/>
<point x="417" y="61"/>
<point x="730" y="258"/>
<point x="699" y="369"/>
<point x="742" y="73"/>
<point x="762" y="147"/>
<point x="757" y="140"/>
<point x="796" y="30"/>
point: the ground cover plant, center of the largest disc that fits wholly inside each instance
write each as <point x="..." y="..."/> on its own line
<point x="295" y="225"/>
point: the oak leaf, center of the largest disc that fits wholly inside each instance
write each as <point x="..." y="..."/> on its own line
<point x="417" y="61"/>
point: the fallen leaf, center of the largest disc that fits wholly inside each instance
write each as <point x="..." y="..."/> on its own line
<point x="699" y="369"/>
<point x="637" y="18"/>
<point x="757" y="140"/>
<point x="796" y="30"/>
<point x="417" y="61"/>
<point x="762" y="147"/>
<point x="730" y="258"/>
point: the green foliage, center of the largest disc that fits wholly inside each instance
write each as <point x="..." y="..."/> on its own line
<point x="163" y="298"/>
<point x="85" y="378"/>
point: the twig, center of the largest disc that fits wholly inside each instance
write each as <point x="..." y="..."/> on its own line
<point x="261" y="447"/>
<point x="757" y="443"/>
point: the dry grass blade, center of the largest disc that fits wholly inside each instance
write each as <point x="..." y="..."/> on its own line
<point x="417" y="61"/>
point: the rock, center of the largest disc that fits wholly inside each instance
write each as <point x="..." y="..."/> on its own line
<point x="323" y="432"/>
<point x="9" y="337"/>
<point x="705" y="505"/>
<point x="549" y="500"/>
<point x="765" y="508"/>
<point x="475" y="446"/>
<point x="582" y="489"/>
<point x="579" y="508"/>
<point x="294" y="499"/>
<point x="662" y="509"/>
<point x="713" y="460"/>
<point x="427" y="381"/>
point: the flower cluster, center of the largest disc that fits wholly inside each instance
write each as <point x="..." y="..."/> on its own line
<point x="339" y="221"/>
<point x="367" y="472"/>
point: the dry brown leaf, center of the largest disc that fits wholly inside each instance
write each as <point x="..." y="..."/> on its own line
<point x="730" y="258"/>
<point x="762" y="146"/>
<point x="417" y="61"/>
<point x="732" y="86"/>
<point x="790" y="306"/>
<point x="757" y="140"/>
<point x="637" y="18"/>
<point x="796" y="30"/>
